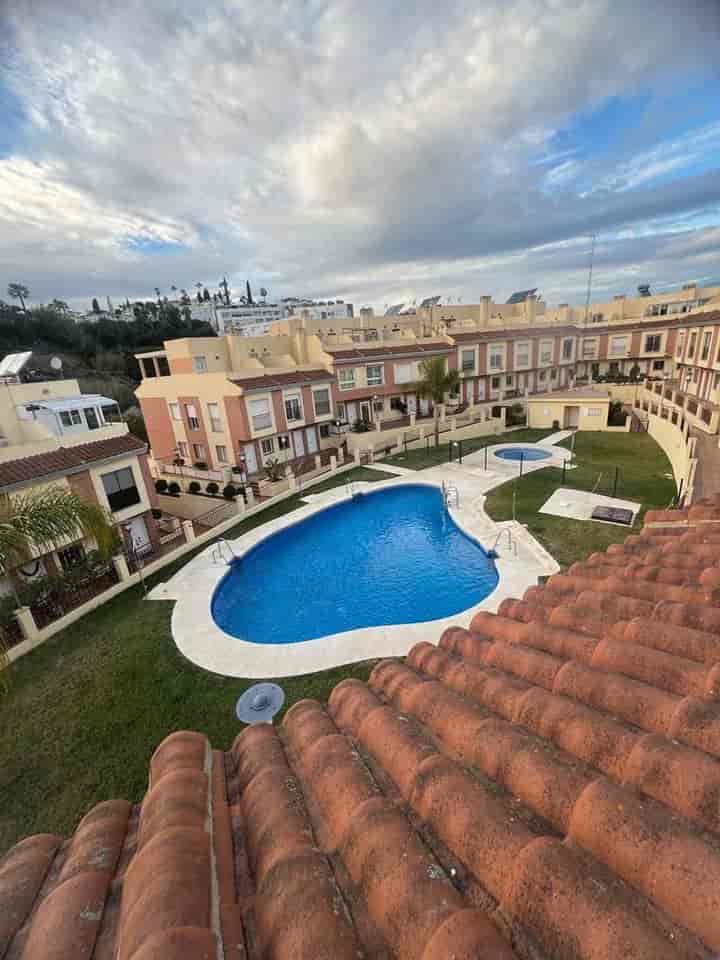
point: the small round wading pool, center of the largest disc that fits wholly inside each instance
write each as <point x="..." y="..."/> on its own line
<point x="523" y="453"/>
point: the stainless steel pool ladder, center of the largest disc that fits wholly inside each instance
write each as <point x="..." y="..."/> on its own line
<point x="511" y="541"/>
<point x="220" y="552"/>
<point x="451" y="495"/>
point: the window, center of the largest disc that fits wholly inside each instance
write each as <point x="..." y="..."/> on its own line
<point x="192" y="416"/>
<point x="340" y="410"/>
<point x="546" y="351"/>
<point x="695" y="375"/>
<point x="403" y="373"/>
<point x="397" y="403"/>
<point x="595" y="369"/>
<point x="496" y="357"/>
<point x="589" y="349"/>
<point x="522" y="354"/>
<point x="553" y="374"/>
<point x="71" y="556"/>
<point x="163" y="366"/>
<point x="508" y="381"/>
<point x="120" y="489"/>
<point x="542" y="376"/>
<point x="468" y="360"/>
<point x="268" y="446"/>
<point x="346" y="378"/>
<point x="198" y="451"/>
<point x="260" y="414"/>
<point x="691" y="348"/>
<point x="292" y="409"/>
<point x="707" y="337"/>
<point x="567" y="349"/>
<point x="148" y="367"/>
<point x="680" y="344"/>
<point x="324" y="431"/>
<point x="70" y="418"/>
<point x="495" y="383"/>
<point x="618" y="345"/>
<point x="175" y="411"/>
<point x="214" y="416"/>
<point x="183" y="449"/>
<point x="658" y="365"/>
<point x="199" y="365"/>
<point x="374" y="375"/>
<point x="652" y="343"/>
<point x="283" y="441"/>
<point x="321" y="402"/>
<point x="221" y="453"/>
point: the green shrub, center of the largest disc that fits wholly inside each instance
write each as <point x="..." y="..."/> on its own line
<point x="161" y="485"/>
<point x="212" y="488"/>
<point x="229" y="492"/>
<point x="194" y="487"/>
<point x="174" y="488"/>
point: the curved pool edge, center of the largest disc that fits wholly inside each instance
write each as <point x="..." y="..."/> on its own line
<point x="205" y="644"/>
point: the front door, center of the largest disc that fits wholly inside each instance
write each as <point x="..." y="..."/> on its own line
<point x="138" y="537"/>
<point x="251" y="463"/>
<point x="365" y="413"/>
<point x="424" y="406"/>
<point x="311" y="440"/>
<point x="299" y="443"/>
<point x="572" y="417"/>
<point x="351" y="413"/>
<point x="469" y="390"/>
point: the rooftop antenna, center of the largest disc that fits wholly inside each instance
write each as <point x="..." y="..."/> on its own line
<point x="259" y="703"/>
<point x="590" y="272"/>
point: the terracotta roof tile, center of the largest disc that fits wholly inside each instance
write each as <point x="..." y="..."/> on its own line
<point x="273" y="381"/>
<point x="545" y="784"/>
<point x="66" y="459"/>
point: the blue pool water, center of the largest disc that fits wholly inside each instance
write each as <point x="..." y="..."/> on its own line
<point x="390" y="556"/>
<point x="524" y="453"/>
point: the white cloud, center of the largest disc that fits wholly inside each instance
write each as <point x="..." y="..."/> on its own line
<point x="326" y="147"/>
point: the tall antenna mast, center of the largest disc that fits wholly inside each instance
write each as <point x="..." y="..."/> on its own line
<point x="590" y="271"/>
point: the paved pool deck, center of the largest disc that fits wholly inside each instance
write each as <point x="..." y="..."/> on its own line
<point x="521" y="560"/>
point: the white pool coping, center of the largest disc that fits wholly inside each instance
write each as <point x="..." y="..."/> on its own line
<point x="204" y="643"/>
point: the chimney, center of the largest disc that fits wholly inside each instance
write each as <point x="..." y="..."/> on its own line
<point x="530" y="308"/>
<point x="485" y="301"/>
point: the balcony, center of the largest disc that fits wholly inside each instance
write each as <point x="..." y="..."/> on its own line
<point x="683" y="407"/>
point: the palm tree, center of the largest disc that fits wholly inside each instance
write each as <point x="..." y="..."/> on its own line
<point x="435" y="381"/>
<point x="43" y="519"/>
<point x="18" y="291"/>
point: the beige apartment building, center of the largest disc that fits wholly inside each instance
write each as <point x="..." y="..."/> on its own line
<point x="51" y="433"/>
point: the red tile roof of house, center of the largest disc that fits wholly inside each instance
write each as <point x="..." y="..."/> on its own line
<point x="66" y="460"/>
<point x="545" y="784"/>
<point x="270" y="381"/>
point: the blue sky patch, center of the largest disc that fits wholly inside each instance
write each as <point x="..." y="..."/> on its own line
<point x="151" y="246"/>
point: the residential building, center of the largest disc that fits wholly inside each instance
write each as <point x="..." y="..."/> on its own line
<point x="51" y="433"/>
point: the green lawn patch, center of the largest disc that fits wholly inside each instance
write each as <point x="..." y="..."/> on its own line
<point x="643" y="471"/>
<point x="431" y="456"/>
<point x="352" y="476"/>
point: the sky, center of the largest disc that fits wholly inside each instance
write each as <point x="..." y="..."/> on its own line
<point x="372" y="151"/>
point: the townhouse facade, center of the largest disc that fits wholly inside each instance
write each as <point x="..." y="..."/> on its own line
<point x="52" y="434"/>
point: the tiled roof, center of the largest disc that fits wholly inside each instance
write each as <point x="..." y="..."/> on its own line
<point x="544" y="785"/>
<point x="66" y="460"/>
<point x="270" y="381"/>
<point x="411" y="349"/>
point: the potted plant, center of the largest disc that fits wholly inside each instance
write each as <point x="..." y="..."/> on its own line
<point x="178" y="462"/>
<point x="212" y="488"/>
<point x="174" y="489"/>
<point x="274" y="481"/>
<point x="194" y="487"/>
<point x="161" y="485"/>
<point x="156" y="514"/>
<point x="200" y="465"/>
<point x="229" y="492"/>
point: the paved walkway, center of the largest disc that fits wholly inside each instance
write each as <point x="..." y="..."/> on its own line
<point x="707" y="472"/>
<point x="557" y="437"/>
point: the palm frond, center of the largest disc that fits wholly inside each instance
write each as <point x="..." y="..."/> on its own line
<point x="43" y="519"/>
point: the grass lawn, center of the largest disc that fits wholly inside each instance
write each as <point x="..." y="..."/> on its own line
<point x="642" y="477"/>
<point x="84" y="712"/>
<point x="421" y="457"/>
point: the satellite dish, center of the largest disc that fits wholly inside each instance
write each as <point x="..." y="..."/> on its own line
<point x="259" y="703"/>
<point x="56" y="363"/>
<point x="263" y="292"/>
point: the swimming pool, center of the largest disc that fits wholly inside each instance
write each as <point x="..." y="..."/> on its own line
<point x="387" y="557"/>
<point x="523" y="453"/>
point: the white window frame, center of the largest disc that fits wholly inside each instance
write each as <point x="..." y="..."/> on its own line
<point x="705" y="345"/>
<point x="589" y="349"/>
<point x="199" y="364"/>
<point x="174" y="408"/>
<point x="183" y="449"/>
<point x="315" y="394"/>
<point x="653" y="336"/>
<point x="201" y="455"/>
<point x="267" y="446"/>
<point x="466" y="367"/>
<point x="376" y="380"/>
<point x="546" y="351"/>
<point x="264" y="417"/>
<point x="221" y="453"/>
<point x="346" y="378"/>
<point x="294" y="398"/>
<point x="404" y="373"/>
<point x="522" y="353"/>
<point x="567" y="354"/>
<point x="618" y="346"/>
<point x="213" y="409"/>
<point x="192" y="417"/>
